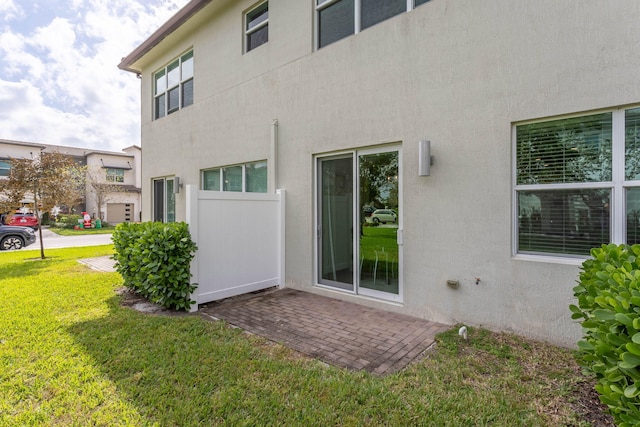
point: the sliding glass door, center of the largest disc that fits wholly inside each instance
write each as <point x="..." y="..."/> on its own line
<point x="358" y="219"/>
<point x="378" y="193"/>
<point x="335" y="222"/>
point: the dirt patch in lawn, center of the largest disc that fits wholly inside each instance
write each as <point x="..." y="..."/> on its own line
<point x="588" y="406"/>
<point x="129" y="298"/>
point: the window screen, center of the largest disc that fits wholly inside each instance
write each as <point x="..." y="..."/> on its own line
<point x="632" y="144"/>
<point x="374" y="11"/>
<point x="232" y="178"/>
<point x="565" y="151"/>
<point x="211" y="180"/>
<point x="633" y="215"/>
<point x="563" y="221"/>
<point x="257" y="26"/>
<point x="256" y="177"/>
<point x="335" y="22"/>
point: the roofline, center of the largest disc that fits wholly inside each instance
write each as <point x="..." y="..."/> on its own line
<point x="80" y="151"/>
<point x="23" y="143"/>
<point x="183" y="15"/>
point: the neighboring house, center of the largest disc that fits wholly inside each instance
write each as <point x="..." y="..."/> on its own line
<point x="114" y="177"/>
<point x="532" y="110"/>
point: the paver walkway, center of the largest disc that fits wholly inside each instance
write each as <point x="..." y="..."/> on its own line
<point x="103" y="263"/>
<point x="337" y="332"/>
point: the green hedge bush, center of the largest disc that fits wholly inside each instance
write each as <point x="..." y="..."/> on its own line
<point x="608" y="308"/>
<point x="67" y="221"/>
<point x="154" y="260"/>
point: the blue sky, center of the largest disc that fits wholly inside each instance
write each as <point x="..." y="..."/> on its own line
<point x="59" y="81"/>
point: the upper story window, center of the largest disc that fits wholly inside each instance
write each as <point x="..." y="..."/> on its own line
<point x="338" y="19"/>
<point x="173" y="86"/>
<point x="577" y="183"/>
<point x="5" y="167"/>
<point x="248" y="178"/>
<point x="257" y="26"/>
<point x="115" y="175"/>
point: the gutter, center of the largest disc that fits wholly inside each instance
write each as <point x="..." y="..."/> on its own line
<point x="177" y="20"/>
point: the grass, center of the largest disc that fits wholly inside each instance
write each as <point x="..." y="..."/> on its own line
<point x="71" y="355"/>
<point x="82" y="231"/>
<point x="381" y="239"/>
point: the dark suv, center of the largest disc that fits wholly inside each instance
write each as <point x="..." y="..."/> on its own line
<point x="14" y="237"/>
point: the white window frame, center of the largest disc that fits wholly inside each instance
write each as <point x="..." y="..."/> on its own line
<point x="221" y="169"/>
<point x="357" y="24"/>
<point x="249" y="31"/>
<point x="617" y="185"/>
<point x="182" y="80"/>
<point x="112" y="175"/>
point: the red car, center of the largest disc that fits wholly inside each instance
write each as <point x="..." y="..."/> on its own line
<point x="24" y="220"/>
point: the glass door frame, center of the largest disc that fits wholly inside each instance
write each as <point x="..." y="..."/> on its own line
<point x="318" y="206"/>
<point x="360" y="289"/>
<point x="355" y="157"/>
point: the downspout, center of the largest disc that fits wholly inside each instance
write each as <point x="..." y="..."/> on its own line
<point x="273" y="158"/>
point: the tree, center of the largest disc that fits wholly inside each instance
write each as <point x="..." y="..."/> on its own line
<point x="378" y="180"/>
<point x="49" y="180"/>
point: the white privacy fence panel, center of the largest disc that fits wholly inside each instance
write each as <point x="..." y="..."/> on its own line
<point x="240" y="238"/>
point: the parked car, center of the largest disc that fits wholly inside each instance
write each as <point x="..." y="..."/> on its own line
<point x="368" y="210"/>
<point x="384" y="216"/>
<point x="15" y="237"/>
<point x="24" y="220"/>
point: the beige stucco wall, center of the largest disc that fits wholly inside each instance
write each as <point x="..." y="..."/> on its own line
<point x="458" y="73"/>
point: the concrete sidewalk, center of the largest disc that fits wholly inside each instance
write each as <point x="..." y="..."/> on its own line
<point x="103" y="263"/>
<point x="53" y="241"/>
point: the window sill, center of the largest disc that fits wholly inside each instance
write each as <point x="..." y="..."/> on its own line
<point x="550" y="259"/>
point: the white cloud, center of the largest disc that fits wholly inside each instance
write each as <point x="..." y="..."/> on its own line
<point x="9" y="10"/>
<point x="60" y="84"/>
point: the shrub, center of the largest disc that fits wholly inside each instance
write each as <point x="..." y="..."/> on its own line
<point x="68" y="221"/>
<point x="608" y="297"/>
<point x="154" y="260"/>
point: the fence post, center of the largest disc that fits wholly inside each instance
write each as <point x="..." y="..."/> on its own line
<point x="192" y="220"/>
<point x="282" y="195"/>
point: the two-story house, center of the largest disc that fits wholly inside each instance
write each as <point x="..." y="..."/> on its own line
<point x="112" y="190"/>
<point x="499" y="138"/>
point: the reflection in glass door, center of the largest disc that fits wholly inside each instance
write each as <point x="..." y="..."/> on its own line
<point x="335" y="222"/>
<point x="364" y="258"/>
<point x="378" y="193"/>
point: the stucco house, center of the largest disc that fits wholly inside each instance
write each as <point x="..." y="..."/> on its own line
<point x="113" y="178"/>
<point x="502" y="135"/>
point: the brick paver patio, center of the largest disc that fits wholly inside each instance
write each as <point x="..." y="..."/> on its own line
<point x="337" y="332"/>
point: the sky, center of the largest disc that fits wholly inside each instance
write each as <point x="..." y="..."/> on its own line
<point x="59" y="77"/>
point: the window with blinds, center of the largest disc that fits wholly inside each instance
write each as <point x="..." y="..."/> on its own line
<point x="337" y="19"/>
<point x="567" y="179"/>
<point x="257" y="27"/>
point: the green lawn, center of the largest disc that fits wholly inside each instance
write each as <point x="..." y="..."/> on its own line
<point x="70" y="355"/>
<point x="72" y="232"/>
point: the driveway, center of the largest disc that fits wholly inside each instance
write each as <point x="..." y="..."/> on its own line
<point x="53" y="241"/>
